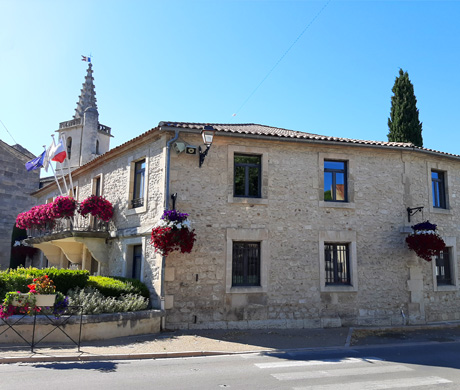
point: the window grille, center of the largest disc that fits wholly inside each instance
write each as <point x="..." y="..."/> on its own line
<point x="337" y="261"/>
<point x="246" y="264"/>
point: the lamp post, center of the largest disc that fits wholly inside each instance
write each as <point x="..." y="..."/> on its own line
<point x="208" y="134"/>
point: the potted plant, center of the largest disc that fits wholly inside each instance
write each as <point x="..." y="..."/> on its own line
<point x="64" y="207"/>
<point x="97" y="206"/>
<point x="44" y="290"/>
<point x="16" y="302"/>
<point x="425" y="241"/>
<point x="173" y="233"/>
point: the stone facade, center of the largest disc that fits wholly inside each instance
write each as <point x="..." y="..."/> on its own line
<point x="388" y="285"/>
<point x="15" y="186"/>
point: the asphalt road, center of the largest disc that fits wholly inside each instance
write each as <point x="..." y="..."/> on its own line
<point x="423" y="366"/>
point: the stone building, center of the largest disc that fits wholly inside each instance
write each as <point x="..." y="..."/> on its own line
<point x="16" y="184"/>
<point x="293" y="229"/>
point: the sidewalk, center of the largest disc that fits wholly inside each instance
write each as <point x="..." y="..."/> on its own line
<point x="220" y="342"/>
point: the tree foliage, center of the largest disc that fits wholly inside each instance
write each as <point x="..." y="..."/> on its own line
<point x="404" y="124"/>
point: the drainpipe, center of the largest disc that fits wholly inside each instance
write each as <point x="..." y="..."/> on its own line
<point x="163" y="259"/>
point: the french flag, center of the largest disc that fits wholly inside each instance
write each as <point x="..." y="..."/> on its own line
<point x="58" y="153"/>
<point x="86" y="59"/>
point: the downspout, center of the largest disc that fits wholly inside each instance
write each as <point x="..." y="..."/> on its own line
<point x="166" y="207"/>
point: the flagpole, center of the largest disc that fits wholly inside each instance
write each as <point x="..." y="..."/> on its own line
<point x="68" y="167"/>
<point x="62" y="173"/>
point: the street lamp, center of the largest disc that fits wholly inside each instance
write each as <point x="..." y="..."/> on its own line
<point x="208" y="134"/>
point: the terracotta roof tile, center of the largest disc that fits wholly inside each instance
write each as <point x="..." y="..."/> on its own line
<point x="255" y="129"/>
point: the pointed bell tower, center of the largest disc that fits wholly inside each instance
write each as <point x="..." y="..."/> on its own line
<point x="84" y="136"/>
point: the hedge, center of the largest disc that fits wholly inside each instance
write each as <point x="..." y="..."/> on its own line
<point x="115" y="286"/>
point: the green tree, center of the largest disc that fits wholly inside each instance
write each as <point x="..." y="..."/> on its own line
<point x="403" y="122"/>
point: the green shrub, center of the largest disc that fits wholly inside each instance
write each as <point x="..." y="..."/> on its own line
<point x="94" y="302"/>
<point x="13" y="282"/>
<point x="117" y="286"/>
<point x="64" y="279"/>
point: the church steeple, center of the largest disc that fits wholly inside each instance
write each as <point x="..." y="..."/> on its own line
<point x="87" y="95"/>
<point x="84" y="136"/>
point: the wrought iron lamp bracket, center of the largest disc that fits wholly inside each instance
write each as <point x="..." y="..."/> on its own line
<point x="203" y="154"/>
<point x="412" y="211"/>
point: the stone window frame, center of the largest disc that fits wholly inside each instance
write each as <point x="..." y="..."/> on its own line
<point x="248" y="150"/>
<point x="439" y="167"/>
<point x="132" y="164"/>
<point x="250" y="235"/>
<point x="127" y="250"/>
<point x="451" y="243"/>
<point x="338" y="237"/>
<point x="350" y="168"/>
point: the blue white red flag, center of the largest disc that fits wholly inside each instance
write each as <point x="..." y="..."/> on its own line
<point x="58" y="153"/>
<point x="86" y="59"/>
<point x="36" y="163"/>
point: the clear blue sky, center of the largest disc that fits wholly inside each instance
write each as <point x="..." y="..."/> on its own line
<point x="199" y="61"/>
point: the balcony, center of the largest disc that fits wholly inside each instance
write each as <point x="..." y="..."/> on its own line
<point x="64" y="227"/>
<point x="71" y="123"/>
<point x="73" y="240"/>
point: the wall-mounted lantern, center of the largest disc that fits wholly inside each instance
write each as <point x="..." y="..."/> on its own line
<point x="208" y="134"/>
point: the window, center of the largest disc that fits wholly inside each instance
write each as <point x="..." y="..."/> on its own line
<point x="443" y="268"/>
<point x="335" y="181"/>
<point x="97" y="186"/>
<point x="139" y="182"/>
<point x="337" y="263"/>
<point x="438" y="188"/>
<point x="247" y="176"/>
<point x="137" y="262"/>
<point x="69" y="147"/>
<point x="97" y="147"/>
<point x="246" y="264"/>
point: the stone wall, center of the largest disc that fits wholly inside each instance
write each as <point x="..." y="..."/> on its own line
<point x="15" y="186"/>
<point x="392" y="285"/>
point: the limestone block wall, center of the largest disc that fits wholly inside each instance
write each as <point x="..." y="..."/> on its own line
<point x="391" y="286"/>
<point x="16" y="184"/>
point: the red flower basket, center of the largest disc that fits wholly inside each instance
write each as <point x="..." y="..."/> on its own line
<point x="64" y="207"/>
<point x="173" y="233"/>
<point x="97" y="206"/>
<point x="424" y="241"/>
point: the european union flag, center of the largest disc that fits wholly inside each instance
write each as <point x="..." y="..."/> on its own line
<point x="36" y="163"/>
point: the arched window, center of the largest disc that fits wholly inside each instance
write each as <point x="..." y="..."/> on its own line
<point x="69" y="147"/>
<point x="97" y="147"/>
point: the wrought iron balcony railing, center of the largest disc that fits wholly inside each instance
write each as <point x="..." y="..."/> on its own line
<point x="75" y="224"/>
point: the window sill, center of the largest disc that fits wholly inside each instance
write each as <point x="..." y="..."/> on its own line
<point x="446" y="287"/>
<point x="343" y="289"/>
<point x="337" y="205"/>
<point x="436" y="210"/>
<point x="252" y="201"/>
<point x="137" y="210"/>
<point x="246" y="290"/>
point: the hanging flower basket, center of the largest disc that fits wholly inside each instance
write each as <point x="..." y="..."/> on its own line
<point x="424" y="240"/>
<point x="173" y="233"/>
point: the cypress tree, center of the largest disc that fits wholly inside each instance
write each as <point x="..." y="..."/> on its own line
<point x="403" y="122"/>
